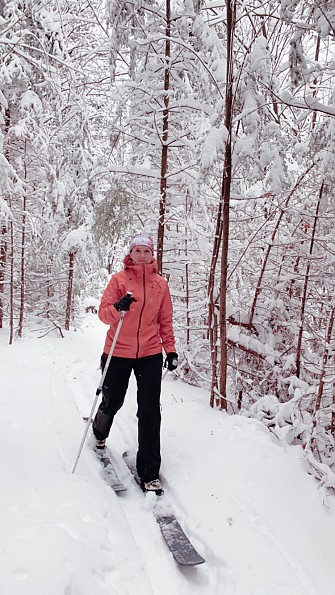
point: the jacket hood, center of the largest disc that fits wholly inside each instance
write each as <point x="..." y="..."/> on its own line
<point x="129" y="264"/>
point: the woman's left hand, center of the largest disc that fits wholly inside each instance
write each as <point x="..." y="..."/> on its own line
<point x="171" y="361"/>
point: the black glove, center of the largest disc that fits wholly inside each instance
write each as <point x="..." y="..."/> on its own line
<point x="124" y="303"/>
<point x="171" y="361"/>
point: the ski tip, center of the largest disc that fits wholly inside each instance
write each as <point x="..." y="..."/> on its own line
<point x="195" y="561"/>
<point x="177" y="541"/>
<point x="119" y="488"/>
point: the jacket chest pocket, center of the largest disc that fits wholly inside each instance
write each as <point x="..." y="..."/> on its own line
<point x="154" y="296"/>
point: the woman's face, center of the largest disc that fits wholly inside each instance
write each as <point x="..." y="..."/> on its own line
<point x="141" y="255"/>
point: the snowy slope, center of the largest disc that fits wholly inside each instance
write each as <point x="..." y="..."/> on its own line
<point x="244" y="499"/>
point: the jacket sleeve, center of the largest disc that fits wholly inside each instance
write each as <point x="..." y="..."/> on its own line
<point x="107" y="313"/>
<point x="165" y="322"/>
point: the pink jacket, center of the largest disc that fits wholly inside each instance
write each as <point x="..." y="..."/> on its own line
<point x="148" y="324"/>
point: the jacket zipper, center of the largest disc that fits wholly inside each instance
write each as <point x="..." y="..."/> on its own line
<point x="140" y="319"/>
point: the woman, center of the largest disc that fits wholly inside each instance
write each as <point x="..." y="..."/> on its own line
<point x="146" y="328"/>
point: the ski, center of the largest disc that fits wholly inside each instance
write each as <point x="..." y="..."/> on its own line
<point x="175" y="538"/>
<point x="110" y="475"/>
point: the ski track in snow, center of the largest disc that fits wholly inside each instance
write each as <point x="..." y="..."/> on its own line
<point x="214" y="577"/>
<point x="41" y="516"/>
<point x="137" y="508"/>
<point x="66" y="534"/>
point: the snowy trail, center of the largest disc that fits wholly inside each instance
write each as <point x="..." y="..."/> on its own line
<point x="137" y="508"/>
<point x="147" y="535"/>
<point x="47" y="533"/>
<point x="255" y="516"/>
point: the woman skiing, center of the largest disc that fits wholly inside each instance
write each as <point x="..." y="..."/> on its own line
<point x="146" y="328"/>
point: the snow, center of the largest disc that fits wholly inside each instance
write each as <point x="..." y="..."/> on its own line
<point x="308" y="101"/>
<point x="214" y="143"/>
<point x="30" y="100"/>
<point x="75" y="239"/>
<point x="5" y="212"/>
<point x="259" y="60"/>
<point x="244" y="498"/>
<point x="3" y="100"/>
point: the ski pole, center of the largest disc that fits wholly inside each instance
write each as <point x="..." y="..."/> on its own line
<point x="99" y="389"/>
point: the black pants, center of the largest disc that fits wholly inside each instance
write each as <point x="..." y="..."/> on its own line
<point x="148" y="374"/>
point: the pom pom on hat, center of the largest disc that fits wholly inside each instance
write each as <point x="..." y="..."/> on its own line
<point x="142" y="239"/>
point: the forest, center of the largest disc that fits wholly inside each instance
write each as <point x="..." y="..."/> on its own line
<point x="211" y="125"/>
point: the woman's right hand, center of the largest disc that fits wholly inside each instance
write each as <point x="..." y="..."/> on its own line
<point x="124" y="303"/>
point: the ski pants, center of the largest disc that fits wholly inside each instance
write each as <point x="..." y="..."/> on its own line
<point x="148" y="374"/>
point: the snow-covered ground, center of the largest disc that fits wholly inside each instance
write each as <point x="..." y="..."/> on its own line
<point x="245" y="500"/>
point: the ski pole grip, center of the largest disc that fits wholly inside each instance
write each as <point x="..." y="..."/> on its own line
<point x="129" y="294"/>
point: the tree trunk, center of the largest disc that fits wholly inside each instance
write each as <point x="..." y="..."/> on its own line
<point x="187" y="276"/>
<point x="49" y="291"/>
<point x="3" y="240"/>
<point x="165" y="134"/>
<point x="325" y="359"/>
<point x="3" y="259"/>
<point x="187" y="300"/>
<point x="332" y="426"/>
<point x="327" y="354"/>
<point x="212" y="318"/>
<point x="69" y="290"/>
<point x="306" y="282"/>
<point x="315" y="82"/>
<point x="225" y="198"/>
<point x="11" y="284"/>
<point x="23" y="253"/>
